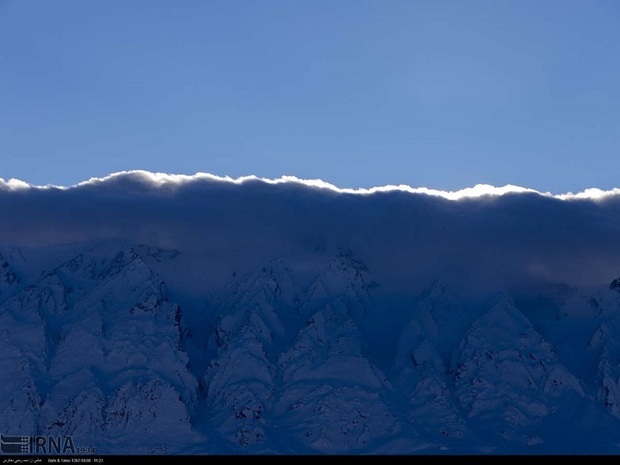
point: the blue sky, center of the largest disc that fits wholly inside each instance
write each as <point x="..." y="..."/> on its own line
<point x="444" y="94"/>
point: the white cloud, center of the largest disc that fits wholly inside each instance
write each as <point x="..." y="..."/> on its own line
<point x="160" y="180"/>
<point x="14" y="184"/>
<point x="490" y="240"/>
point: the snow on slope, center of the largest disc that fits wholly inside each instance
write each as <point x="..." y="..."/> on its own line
<point x="97" y="347"/>
<point x="507" y="376"/>
<point x="240" y="381"/>
<point x="332" y="395"/>
<point x="423" y="361"/>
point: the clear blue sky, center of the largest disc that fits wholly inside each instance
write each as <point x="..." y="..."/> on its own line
<point x="444" y="94"/>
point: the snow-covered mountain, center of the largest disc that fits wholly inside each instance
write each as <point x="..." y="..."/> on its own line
<point x="94" y="349"/>
<point x="297" y="355"/>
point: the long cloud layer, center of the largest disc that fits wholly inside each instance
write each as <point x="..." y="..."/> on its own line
<point x="166" y="180"/>
<point x="497" y="237"/>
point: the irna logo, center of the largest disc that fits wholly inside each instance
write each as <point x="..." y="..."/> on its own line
<point x="37" y="444"/>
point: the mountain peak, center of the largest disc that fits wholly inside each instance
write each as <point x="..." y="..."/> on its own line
<point x="437" y="289"/>
<point x="344" y="278"/>
<point x="255" y="299"/>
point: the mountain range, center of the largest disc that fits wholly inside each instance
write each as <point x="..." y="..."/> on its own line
<point x="297" y="355"/>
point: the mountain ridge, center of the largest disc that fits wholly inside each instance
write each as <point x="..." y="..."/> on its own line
<point x="290" y="366"/>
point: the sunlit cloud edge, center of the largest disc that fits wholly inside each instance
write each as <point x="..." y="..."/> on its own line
<point x="161" y="180"/>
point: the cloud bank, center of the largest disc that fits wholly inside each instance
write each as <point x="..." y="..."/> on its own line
<point x="147" y="179"/>
<point x="479" y="237"/>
